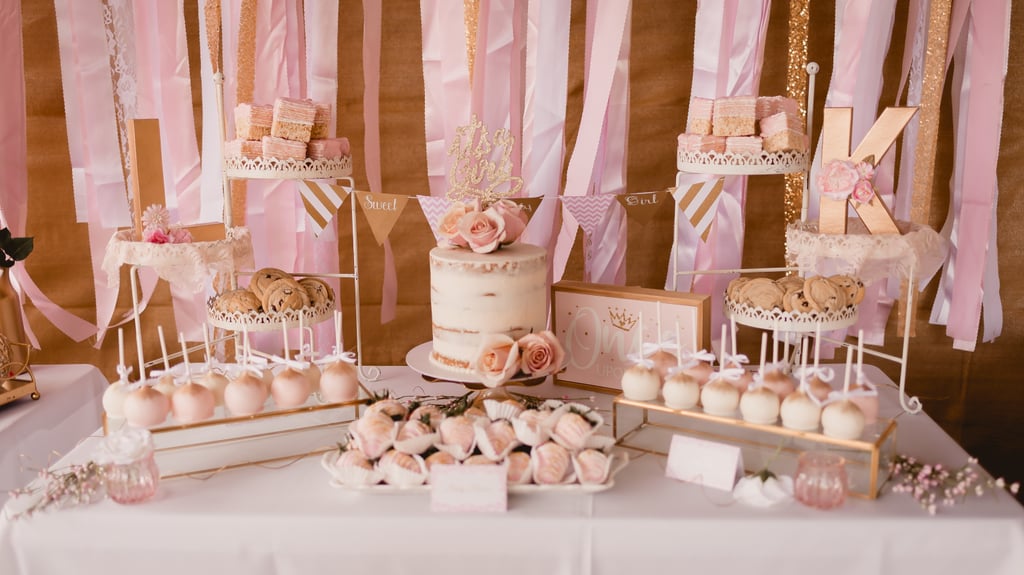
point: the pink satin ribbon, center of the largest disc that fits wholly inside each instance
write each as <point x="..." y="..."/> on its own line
<point x="321" y="42"/>
<point x="979" y="104"/>
<point x="609" y="28"/>
<point x="728" y="54"/>
<point x="547" y="68"/>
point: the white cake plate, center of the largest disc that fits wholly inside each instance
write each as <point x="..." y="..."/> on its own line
<point x="418" y="359"/>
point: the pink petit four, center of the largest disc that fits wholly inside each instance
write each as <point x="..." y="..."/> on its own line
<point x="786" y="140"/>
<point x="321" y="121"/>
<point x="293" y="119"/>
<point x="698" y="117"/>
<point x="698" y="143"/>
<point x="735" y="116"/>
<point x="771" y="105"/>
<point x="243" y="148"/>
<point x="780" y="122"/>
<point x="328" y="148"/>
<point x="252" y="121"/>
<point x="743" y="145"/>
<point x="283" y="149"/>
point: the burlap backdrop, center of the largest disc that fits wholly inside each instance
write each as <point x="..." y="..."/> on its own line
<point x="977" y="397"/>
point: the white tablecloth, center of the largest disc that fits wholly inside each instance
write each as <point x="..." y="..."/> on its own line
<point x="69" y="409"/>
<point x="260" y="521"/>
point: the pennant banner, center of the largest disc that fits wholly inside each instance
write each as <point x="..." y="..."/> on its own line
<point x="699" y="204"/>
<point x="642" y="205"/>
<point x="434" y="208"/>
<point x="322" y="201"/>
<point x="382" y="212"/>
<point x="588" y="211"/>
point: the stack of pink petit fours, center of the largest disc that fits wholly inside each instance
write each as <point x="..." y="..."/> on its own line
<point x="730" y="125"/>
<point x="291" y="129"/>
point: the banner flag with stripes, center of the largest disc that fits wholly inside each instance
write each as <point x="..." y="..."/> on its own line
<point x="699" y="203"/>
<point x="322" y="202"/>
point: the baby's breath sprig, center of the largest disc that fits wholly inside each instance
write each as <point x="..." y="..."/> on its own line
<point x="933" y="486"/>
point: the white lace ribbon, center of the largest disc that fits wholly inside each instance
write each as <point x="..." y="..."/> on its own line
<point x="650" y="348"/>
<point x="731" y="373"/>
<point x="638" y="359"/>
<point x="692" y="358"/>
<point x="826" y="374"/>
<point x="346" y="356"/>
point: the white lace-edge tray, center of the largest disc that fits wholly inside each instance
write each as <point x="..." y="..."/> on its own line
<point x="254" y="321"/>
<point x="729" y="163"/>
<point x="621" y="460"/>
<point x="277" y="169"/>
<point x="790" y="321"/>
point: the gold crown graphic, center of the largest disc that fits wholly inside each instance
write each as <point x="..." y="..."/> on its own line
<point x="622" y="319"/>
<point x="483" y="164"/>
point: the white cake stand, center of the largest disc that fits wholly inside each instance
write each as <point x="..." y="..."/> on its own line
<point x="418" y="359"/>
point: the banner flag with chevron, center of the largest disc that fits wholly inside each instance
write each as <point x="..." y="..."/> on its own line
<point x="699" y="203"/>
<point x="322" y="202"/>
<point x="588" y="211"/>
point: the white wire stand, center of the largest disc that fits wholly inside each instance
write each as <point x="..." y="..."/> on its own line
<point x="910" y="404"/>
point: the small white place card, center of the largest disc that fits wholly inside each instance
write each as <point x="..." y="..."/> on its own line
<point x="469" y="488"/>
<point x="707" y="463"/>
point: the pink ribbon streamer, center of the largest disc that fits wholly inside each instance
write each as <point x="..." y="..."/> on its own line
<point x="979" y="104"/>
<point x="321" y="81"/>
<point x="609" y="28"/>
<point x="547" y="69"/>
<point x="728" y="54"/>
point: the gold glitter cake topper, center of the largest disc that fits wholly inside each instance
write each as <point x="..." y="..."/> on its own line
<point x="483" y="164"/>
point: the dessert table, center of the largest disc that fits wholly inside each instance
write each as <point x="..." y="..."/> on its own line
<point x="286" y="519"/>
<point x="30" y="431"/>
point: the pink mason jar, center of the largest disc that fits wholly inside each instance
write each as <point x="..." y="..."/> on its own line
<point x="820" y="480"/>
<point x="130" y="473"/>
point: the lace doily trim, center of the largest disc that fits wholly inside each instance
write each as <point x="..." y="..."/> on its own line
<point x="740" y="164"/>
<point x="276" y="169"/>
<point x="867" y="256"/>
<point x="267" y="321"/>
<point x="186" y="266"/>
<point x="790" y="321"/>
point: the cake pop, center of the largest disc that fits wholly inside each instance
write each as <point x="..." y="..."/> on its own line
<point x="191" y="402"/>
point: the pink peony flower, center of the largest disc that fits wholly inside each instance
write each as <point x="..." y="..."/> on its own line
<point x="483" y="231"/>
<point x="541" y="354"/>
<point x="514" y="216"/>
<point x="498" y="359"/>
<point x="837" y="179"/>
<point x="448" y="227"/>
<point x="863" y="191"/>
<point x="155" y="236"/>
<point x="866" y="170"/>
<point x="179" y="235"/>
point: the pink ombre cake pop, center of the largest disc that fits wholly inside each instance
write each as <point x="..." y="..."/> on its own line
<point x="191" y="402"/>
<point x="290" y="388"/>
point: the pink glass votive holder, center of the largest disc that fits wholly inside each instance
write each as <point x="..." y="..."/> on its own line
<point x="130" y="474"/>
<point x="821" y="480"/>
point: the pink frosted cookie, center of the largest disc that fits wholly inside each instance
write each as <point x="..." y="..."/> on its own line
<point x="321" y="121"/>
<point x="283" y="149"/>
<point x="293" y="119"/>
<point x="698" y="143"/>
<point x="252" y="121"/>
<point x="243" y="149"/>
<point x="328" y="148"/>
<point x="743" y="145"/>
<point x="735" y="116"/>
<point x="698" y="117"/>
<point x="771" y="105"/>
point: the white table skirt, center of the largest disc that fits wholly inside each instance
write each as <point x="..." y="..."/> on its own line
<point x="290" y="521"/>
<point x="30" y="431"/>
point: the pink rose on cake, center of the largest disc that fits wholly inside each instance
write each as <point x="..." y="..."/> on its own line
<point x="483" y="231"/>
<point x="542" y="354"/>
<point x="514" y="217"/>
<point x="837" y="179"/>
<point x="448" y="228"/>
<point x="498" y="359"/>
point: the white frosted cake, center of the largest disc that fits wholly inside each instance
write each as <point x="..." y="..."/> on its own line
<point x="474" y="294"/>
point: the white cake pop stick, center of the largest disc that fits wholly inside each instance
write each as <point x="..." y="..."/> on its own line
<point x="803" y="364"/>
<point x="302" y="330"/>
<point x="284" y="336"/>
<point x="120" y="348"/>
<point x="817" y="344"/>
<point x="775" y="344"/>
<point x="679" y="346"/>
<point x="337" y="332"/>
<point x="206" y="345"/>
<point x="860" y="354"/>
<point x="163" y="347"/>
<point x="732" y="324"/>
<point x="640" y="324"/>
<point x="764" y="349"/>
<point x="722" y="352"/>
<point x="693" y="326"/>
<point x="245" y="345"/>
<point x="184" y="355"/>
<point x="846" y="375"/>
<point x="657" y="322"/>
